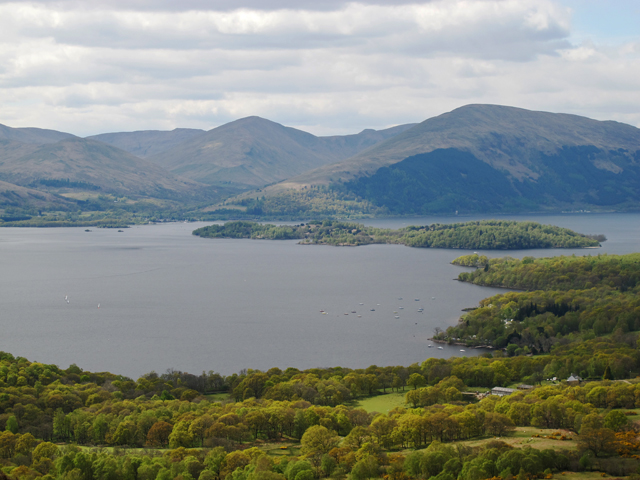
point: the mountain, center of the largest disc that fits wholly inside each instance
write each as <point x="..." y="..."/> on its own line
<point x="93" y="166"/>
<point x="146" y="143"/>
<point x="34" y="136"/>
<point x="482" y="158"/>
<point x="253" y="152"/>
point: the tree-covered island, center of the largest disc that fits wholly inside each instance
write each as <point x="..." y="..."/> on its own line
<point x="485" y="234"/>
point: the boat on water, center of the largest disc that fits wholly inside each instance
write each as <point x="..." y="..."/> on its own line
<point x="353" y="311"/>
<point x="362" y="304"/>
<point x="373" y="310"/>
<point x="396" y="316"/>
<point x="429" y="346"/>
<point x="359" y="316"/>
<point x="462" y="350"/>
<point x="440" y="348"/>
<point x="401" y="308"/>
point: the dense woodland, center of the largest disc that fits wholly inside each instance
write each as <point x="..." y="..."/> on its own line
<point x="485" y="234"/>
<point x="305" y="424"/>
<point x="567" y="299"/>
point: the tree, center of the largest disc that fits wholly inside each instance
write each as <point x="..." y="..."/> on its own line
<point x="607" y="373"/>
<point x="158" y="435"/>
<point x="597" y="440"/>
<point x="45" y="450"/>
<point x="615" y="420"/>
<point x="12" y="425"/>
<point x="180" y="436"/>
<point x="25" y="444"/>
<point x="416" y="381"/>
<point x="498" y="424"/>
<point x="318" y="439"/>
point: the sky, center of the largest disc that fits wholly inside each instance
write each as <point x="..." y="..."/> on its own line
<point x="324" y="66"/>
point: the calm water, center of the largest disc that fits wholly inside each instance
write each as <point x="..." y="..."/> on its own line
<point x="171" y="300"/>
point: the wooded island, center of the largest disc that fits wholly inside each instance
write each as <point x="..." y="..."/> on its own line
<point x="485" y="234"/>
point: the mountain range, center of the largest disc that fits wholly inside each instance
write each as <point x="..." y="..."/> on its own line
<point x="490" y="158"/>
<point x="477" y="158"/>
<point x="183" y="165"/>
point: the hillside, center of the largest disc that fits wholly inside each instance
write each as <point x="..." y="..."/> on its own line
<point x="146" y="143"/>
<point x="15" y="196"/>
<point x="34" y="136"/>
<point x="253" y="152"/>
<point x="488" y="158"/>
<point x="93" y="166"/>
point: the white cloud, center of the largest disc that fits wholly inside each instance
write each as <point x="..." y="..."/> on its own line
<point x="336" y="67"/>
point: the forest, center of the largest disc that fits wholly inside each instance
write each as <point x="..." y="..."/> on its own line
<point x="485" y="234"/>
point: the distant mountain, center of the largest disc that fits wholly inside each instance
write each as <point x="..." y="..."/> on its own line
<point x="253" y="152"/>
<point x="93" y="166"/>
<point x="146" y="143"/>
<point x="482" y="158"/>
<point x="34" y="136"/>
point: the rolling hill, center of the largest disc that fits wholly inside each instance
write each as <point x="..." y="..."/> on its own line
<point x="253" y="152"/>
<point x="489" y="158"/>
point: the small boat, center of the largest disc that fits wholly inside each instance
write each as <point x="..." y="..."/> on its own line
<point x="462" y="350"/>
<point x="401" y="308"/>
<point x="396" y="316"/>
<point x="321" y="311"/>
<point x="359" y="316"/>
<point x="362" y="304"/>
<point x="346" y="314"/>
<point x="353" y="311"/>
<point x="421" y="310"/>
<point x="98" y="305"/>
<point x="400" y="298"/>
<point x="440" y="348"/>
<point x="429" y="346"/>
<point x="373" y="310"/>
<point x="417" y="299"/>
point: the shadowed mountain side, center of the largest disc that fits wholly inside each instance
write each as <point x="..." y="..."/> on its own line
<point x="16" y="196"/>
<point x="35" y="136"/>
<point x="97" y="166"/>
<point x="506" y="138"/>
<point x="146" y="143"/>
<point x="252" y="152"/>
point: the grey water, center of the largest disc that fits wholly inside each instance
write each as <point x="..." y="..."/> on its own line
<point x="155" y="297"/>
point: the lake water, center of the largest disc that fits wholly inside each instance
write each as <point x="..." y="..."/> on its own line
<point x="171" y="300"/>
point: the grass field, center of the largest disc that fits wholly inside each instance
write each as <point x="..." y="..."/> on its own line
<point x="382" y="403"/>
<point x="522" y="437"/>
<point x="218" y="397"/>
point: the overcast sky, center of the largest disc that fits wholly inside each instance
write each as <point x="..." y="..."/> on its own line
<point x="325" y="66"/>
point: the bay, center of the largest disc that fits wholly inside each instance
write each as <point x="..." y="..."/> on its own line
<point x="168" y="299"/>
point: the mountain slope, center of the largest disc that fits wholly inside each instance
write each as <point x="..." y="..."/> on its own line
<point x="252" y="152"/>
<point x="20" y="197"/>
<point x="504" y="137"/>
<point x="94" y="165"/>
<point x="489" y="158"/>
<point x="34" y="136"/>
<point x="146" y="143"/>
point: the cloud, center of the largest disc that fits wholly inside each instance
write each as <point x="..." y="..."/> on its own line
<point x="330" y="67"/>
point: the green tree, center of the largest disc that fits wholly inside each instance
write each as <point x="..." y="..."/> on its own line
<point x="12" y="425"/>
